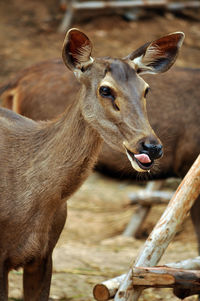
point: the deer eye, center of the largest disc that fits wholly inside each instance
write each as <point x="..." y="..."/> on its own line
<point x="105" y="91"/>
<point x="146" y="92"/>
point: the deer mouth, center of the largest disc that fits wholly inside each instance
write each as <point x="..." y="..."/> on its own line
<point x="140" y="162"/>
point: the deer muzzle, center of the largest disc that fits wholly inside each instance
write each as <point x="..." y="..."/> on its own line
<point x="143" y="160"/>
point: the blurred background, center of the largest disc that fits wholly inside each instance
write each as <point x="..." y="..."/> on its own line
<point x="91" y="248"/>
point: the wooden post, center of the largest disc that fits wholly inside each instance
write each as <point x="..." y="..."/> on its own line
<point x="68" y="17"/>
<point x="141" y="212"/>
<point x="175" y="213"/>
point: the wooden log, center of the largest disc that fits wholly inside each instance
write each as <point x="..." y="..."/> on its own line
<point x="176" y="211"/>
<point x="107" y="289"/>
<point x="87" y="5"/>
<point x="181" y="5"/>
<point x="74" y="5"/>
<point x="188" y="264"/>
<point x="136" y="221"/>
<point x="146" y="198"/>
<point x="141" y="212"/>
<point x="164" y="231"/>
<point x="184" y="282"/>
<point x="68" y="17"/>
<point x="163" y="277"/>
<point x="117" y="4"/>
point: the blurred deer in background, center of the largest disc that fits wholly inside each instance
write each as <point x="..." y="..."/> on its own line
<point x="44" y="163"/>
<point x="42" y="91"/>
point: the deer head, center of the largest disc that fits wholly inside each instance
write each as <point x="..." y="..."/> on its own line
<point x="113" y="95"/>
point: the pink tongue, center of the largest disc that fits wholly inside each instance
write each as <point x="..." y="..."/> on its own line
<point x="143" y="158"/>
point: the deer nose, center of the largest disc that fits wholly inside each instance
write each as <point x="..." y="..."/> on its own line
<point x="153" y="150"/>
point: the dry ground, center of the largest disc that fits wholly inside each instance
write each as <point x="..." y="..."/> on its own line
<point x="91" y="249"/>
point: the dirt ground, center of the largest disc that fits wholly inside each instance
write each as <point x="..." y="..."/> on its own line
<point x="91" y="248"/>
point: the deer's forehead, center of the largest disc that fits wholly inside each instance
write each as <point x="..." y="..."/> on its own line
<point x="118" y="73"/>
<point x="122" y="71"/>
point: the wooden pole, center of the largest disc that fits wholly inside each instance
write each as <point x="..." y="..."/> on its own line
<point x="175" y="213"/>
<point x="141" y="212"/>
<point x="164" y="231"/>
<point x="136" y="221"/>
<point x="188" y="264"/>
<point x="87" y="5"/>
<point x="145" y="198"/>
<point x="117" y="4"/>
<point x="74" y="5"/>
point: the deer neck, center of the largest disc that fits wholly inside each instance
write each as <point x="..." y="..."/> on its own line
<point x="71" y="147"/>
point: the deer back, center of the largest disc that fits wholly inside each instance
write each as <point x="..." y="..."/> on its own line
<point x="40" y="92"/>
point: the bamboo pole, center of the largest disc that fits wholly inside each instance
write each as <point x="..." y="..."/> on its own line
<point x="176" y="211"/>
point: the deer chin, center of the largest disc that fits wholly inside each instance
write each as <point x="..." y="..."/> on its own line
<point x="140" y="162"/>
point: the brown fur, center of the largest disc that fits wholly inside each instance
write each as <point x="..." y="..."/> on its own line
<point x="173" y="108"/>
<point x="45" y="90"/>
<point x="41" y="82"/>
<point x="43" y="163"/>
<point x="48" y="168"/>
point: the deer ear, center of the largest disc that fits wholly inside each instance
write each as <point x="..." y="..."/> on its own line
<point x="77" y="50"/>
<point x="159" y="55"/>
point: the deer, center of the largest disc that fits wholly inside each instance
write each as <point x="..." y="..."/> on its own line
<point x="41" y="92"/>
<point x="45" y="90"/>
<point x="44" y="162"/>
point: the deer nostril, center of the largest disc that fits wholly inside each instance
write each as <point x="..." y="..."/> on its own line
<point x="153" y="150"/>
